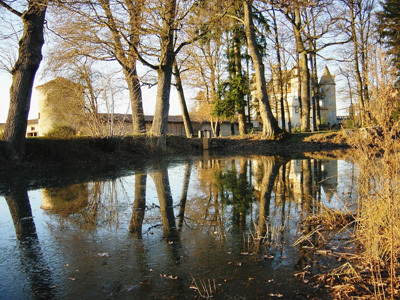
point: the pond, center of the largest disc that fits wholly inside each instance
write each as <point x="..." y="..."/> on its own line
<point x="222" y="227"/>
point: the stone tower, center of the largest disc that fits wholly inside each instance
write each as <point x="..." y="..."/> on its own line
<point x="328" y="97"/>
<point x="61" y="103"/>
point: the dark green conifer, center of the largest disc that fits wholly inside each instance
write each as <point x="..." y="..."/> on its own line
<point x="389" y="29"/>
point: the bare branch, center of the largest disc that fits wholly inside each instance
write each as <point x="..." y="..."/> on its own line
<point x="8" y="7"/>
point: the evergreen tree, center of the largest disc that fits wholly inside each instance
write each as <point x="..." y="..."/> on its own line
<point x="389" y="29"/>
<point x="230" y="101"/>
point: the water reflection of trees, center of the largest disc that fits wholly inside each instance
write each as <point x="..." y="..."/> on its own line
<point x="161" y="181"/>
<point x="269" y="166"/>
<point x="286" y="192"/>
<point x="265" y="194"/>
<point x="31" y="256"/>
<point x="97" y="204"/>
<point x="88" y="205"/>
<point x="235" y="190"/>
<point x="263" y="198"/>
<point x="139" y="205"/>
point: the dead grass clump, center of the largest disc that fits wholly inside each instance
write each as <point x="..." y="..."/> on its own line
<point x="337" y="137"/>
<point x="330" y="218"/>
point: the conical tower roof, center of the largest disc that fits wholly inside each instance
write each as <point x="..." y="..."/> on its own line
<point x="327" y="78"/>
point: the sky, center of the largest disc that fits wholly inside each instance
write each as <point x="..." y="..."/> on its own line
<point x="149" y="99"/>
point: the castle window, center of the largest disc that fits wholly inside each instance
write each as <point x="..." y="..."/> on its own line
<point x="32" y="128"/>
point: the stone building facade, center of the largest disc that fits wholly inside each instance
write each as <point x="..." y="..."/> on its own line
<point x="327" y="97"/>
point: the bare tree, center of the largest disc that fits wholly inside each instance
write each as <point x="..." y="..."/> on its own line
<point x="23" y="72"/>
<point x="105" y="31"/>
<point x="293" y="14"/>
<point x="359" y="23"/>
<point x="205" y="69"/>
<point x="185" y="113"/>
<point x="314" y="26"/>
<point x="173" y="20"/>
<point x="278" y="71"/>
<point x="270" y="125"/>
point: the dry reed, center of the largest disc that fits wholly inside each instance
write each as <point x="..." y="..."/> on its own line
<point x="377" y="231"/>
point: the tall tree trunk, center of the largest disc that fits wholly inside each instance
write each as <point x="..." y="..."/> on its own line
<point x="127" y="60"/>
<point x="359" y="81"/>
<point x="135" y="95"/>
<point x="314" y="92"/>
<point x="316" y="113"/>
<point x="167" y="58"/>
<point x="185" y="114"/>
<point x="24" y="71"/>
<point x="284" y="80"/>
<point x="270" y="125"/>
<point x="304" y="71"/>
<point x="135" y="8"/>
<point x="280" y="75"/>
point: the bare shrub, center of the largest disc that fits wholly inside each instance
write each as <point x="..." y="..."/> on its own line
<point x="62" y="132"/>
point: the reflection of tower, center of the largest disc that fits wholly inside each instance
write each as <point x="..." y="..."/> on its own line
<point x="257" y="171"/>
<point x="65" y="200"/>
<point x="295" y="179"/>
<point x="61" y="103"/>
<point x="329" y="180"/>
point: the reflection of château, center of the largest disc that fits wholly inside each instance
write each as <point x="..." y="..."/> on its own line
<point x="65" y="200"/>
<point x="323" y="173"/>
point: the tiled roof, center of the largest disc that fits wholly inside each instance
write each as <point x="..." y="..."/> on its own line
<point x="128" y="118"/>
<point x="33" y="121"/>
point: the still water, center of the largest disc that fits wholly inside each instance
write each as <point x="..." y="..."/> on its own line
<point x="217" y="227"/>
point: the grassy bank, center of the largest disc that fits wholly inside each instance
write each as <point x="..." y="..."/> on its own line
<point x="52" y="152"/>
